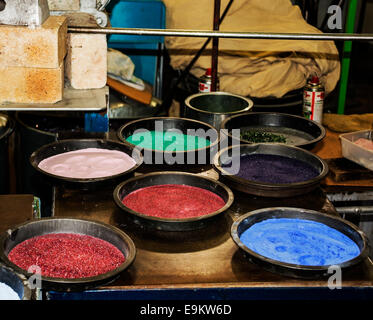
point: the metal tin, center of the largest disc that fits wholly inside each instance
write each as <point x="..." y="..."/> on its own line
<point x="33" y="228"/>
<point x="215" y="107"/>
<point x="313" y="100"/>
<point x="204" y="84"/>
<point x="182" y="178"/>
<point x="298" y="271"/>
<point x="270" y="189"/>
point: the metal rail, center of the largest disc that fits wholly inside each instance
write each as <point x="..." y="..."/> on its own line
<point x="224" y="34"/>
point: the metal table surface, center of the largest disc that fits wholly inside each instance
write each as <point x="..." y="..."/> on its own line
<point x="203" y="264"/>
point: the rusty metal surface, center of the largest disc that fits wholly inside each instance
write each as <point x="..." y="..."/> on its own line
<point x="198" y="259"/>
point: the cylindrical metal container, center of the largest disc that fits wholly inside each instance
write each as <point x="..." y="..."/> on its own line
<point x="6" y="129"/>
<point x="215" y="107"/>
<point x="313" y="100"/>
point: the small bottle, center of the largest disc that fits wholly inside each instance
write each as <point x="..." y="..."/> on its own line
<point x="205" y="82"/>
<point x="313" y="99"/>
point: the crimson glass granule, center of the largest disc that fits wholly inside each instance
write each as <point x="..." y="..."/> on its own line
<point x="173" y="201"/>
<point x="67" y="255"/>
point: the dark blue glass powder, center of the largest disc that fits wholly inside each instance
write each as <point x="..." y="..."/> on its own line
<point x="277" y="169"/>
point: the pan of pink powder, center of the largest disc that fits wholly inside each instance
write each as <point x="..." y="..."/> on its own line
<point x="86" y="163"/>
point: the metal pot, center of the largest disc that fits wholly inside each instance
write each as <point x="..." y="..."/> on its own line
<point x="215" y="107"/>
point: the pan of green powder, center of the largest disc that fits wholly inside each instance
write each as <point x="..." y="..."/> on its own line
<point x="171" y="140"/>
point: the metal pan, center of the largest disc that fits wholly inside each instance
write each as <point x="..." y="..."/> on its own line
<point x="20" y="233"/>
<point x="293" y="270"/>
<point x="298" y="131"/>
<point x="182" y="178"/>
<point x="269" y="189"/>
<point x="63" y="146"/>
<point x="164" y="159"/>
<point x="17" y="282"/>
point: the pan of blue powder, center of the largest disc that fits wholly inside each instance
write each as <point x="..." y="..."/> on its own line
<point x="299" y="243"/>
<point x="270" y="170"/>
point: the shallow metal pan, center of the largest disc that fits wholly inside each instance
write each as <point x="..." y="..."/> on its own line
<point x="63" y="146"/>
<point x="182" y="178"/>
<point x="300" y="132"/>
<point x="165" y="159"/>
<point x="292" y="270"/>
<point x="270" y="189"/>
<point x="17" y="282"/>
<point x="20" y="233"/>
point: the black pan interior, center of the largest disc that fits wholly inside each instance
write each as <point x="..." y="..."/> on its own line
<point x="299" y="131"/>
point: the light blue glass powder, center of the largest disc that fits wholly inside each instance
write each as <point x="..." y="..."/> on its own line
<point x="301" y="242"/>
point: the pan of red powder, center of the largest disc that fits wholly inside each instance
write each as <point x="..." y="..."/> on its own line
<point x="70" y="254"/>
<point x="88" y="164"/>
<point x="270" y="170"/>
<point x="173" y="201"/>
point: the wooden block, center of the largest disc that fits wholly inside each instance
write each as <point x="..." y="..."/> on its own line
<point x="40" y="47"/>
<point x="31" y="85"/>
<point x="64" y="5"/>
<point x="86" y="61"/>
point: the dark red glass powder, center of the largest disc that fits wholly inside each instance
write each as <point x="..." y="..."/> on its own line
<point x="173" y="201"/>
<point x="67" y="255"/>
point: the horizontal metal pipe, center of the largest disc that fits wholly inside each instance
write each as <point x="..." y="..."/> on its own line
<point x="355" y="210"/>
<point x="223" y="34"/>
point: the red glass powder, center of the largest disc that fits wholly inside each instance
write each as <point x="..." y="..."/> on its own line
<point x="67" y="255"/>
<point x="173" y="201"/>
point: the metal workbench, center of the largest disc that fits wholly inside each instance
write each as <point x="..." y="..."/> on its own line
<point x="203" y="264"/>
